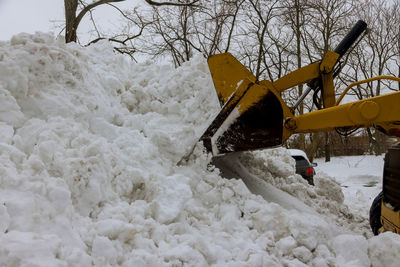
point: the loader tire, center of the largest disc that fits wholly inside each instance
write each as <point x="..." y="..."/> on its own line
<point x="375" y="214"/>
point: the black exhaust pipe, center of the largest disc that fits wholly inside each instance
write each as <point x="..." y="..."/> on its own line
<point x="351" y="37"/>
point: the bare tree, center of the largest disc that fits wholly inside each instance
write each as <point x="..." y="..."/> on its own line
<point x="124" y="41"/>
<point x="260" y="15"/>
<point x="75" y="10"/>
<point x="329" y="23"/>
<point x="377" y="55"/>
<point x="207" y="28"/>
<point x="295" y="17"/>
<point x="392" y="15"/>
<point x="72" y="19"/>
<point x="172" y="34"/>
<point x="215" y="25"/>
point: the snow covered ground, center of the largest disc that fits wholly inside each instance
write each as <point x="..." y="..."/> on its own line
<point x="359" y="176"/>
<point x="89" y="143"/>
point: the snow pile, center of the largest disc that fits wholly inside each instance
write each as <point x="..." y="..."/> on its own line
<point x="88" y="149"/>
<point x="276" y="166"/>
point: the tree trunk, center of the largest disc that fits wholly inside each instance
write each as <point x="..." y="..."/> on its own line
<point x="327" y="148"/>
<point x="316" y="140"/>
<point x="300" y="86"/>
<point x="70" y="20"/>
<point x="377" y="147"/>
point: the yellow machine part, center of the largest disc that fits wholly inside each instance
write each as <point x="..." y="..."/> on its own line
<point x="383" y="109"/>
<point x="390" y="219"/>
<point x="227" y="72"/>
<point x="254" y="116"/>
<point x="252" y="113"/>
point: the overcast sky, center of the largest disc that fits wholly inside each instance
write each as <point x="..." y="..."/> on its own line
<point x="29" y="16"/>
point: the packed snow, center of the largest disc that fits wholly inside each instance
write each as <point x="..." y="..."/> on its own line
<point x="89" y="145"/>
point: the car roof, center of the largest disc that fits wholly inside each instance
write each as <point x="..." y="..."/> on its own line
<point x="298" y="152"/>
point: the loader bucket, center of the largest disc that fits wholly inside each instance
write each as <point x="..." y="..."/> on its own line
<point x="227" y="72"/>
<point x="251" y="117"/>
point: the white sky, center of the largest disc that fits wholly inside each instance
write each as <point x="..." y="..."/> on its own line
<point x="30" y="16"/>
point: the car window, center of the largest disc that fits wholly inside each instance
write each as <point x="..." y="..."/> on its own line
<point x="298" y="158"/>
<point x="301" y="160"/>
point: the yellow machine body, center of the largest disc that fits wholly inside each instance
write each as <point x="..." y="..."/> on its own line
<point x="390" y="219"/>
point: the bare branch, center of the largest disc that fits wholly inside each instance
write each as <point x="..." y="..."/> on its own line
<point x="90" y="7"/>
<point x="153" y="3"/>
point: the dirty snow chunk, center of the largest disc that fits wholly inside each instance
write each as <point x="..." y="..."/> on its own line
<point x="4" y="219"/>
<point x="294" y="263"/>
<point x="29" y="249"/>
<point x="311" y="230"/>
<point x="6" y="133"/>
<point x="384" y="250"/>
<point x="59" y="195"/>
<point x="351" y="250"/>
<point x="10" y="111"/>
<point x="278" y="161"/>
<point x="103" y="252"/>
<point x="103" y="128"/>
<point x="114" y="229"/>
<point x="286" y="245"/>
<point x="168" y="205"/>
<point x="327" y="186"/>
<point x="303" y="254"/>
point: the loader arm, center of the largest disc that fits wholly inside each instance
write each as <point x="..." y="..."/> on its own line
<point x="254" y="116"/>
<point x="383" y="111"/>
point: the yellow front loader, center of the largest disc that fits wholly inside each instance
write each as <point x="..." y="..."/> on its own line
<point x="254" y="116"/>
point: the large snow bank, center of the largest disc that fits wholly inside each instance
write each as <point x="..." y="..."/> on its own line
<point x="88" y="149"/>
